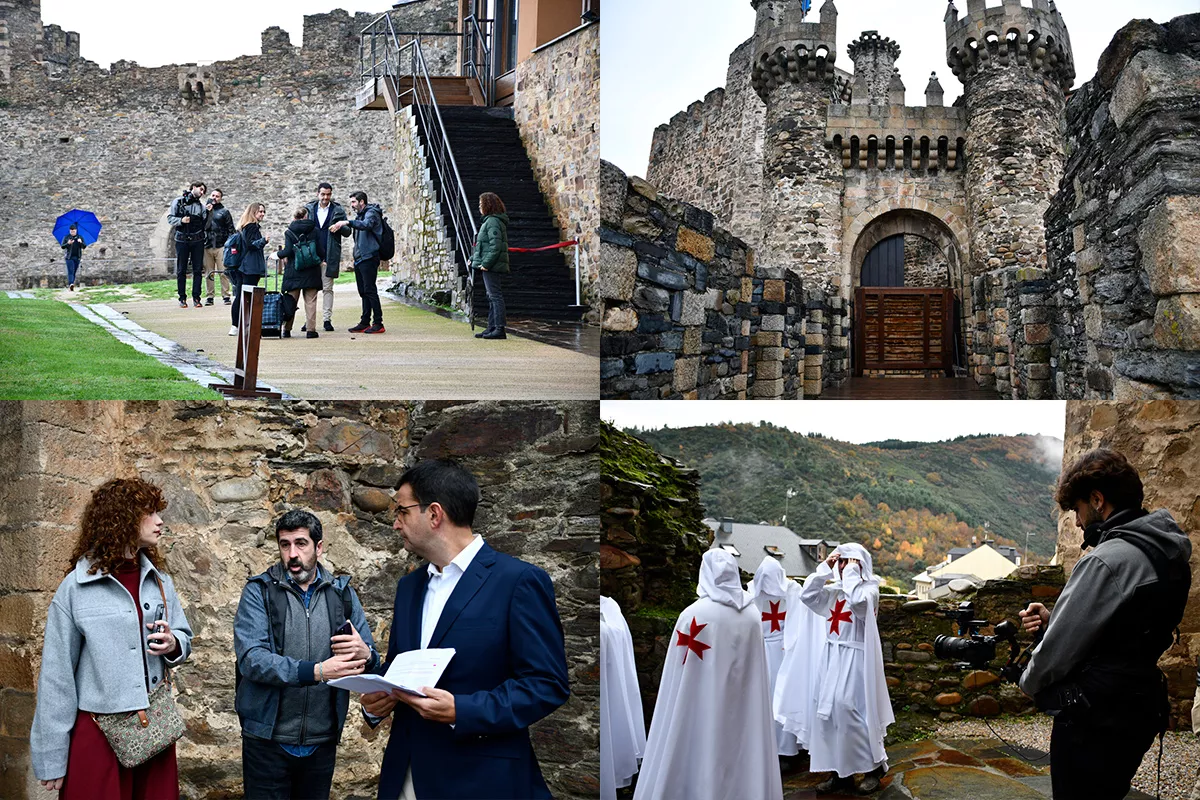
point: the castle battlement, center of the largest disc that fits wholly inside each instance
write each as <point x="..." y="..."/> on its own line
<point x="790" y="50"/>
<point x="1011" y="34"/>
<point x="898" y="137"/>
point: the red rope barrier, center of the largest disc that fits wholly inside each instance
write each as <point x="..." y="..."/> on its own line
<point x="558" y="246"/>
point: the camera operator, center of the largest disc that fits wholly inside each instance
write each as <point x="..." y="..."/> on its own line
<point x="1097" y="667"/>
<point x="189" y="215"/>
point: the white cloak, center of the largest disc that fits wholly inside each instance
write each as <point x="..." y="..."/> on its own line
<point x="771" y="589"/>
<point x="803" y="640"/>
<point x="850" y="708"/>
<point x="712" y="736"/>
<point x="622" y="728"/>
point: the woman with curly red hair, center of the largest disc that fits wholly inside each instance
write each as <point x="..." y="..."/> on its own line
<point x="115" y="611"/>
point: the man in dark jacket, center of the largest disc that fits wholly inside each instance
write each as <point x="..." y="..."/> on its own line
<point x="1097" y="667"/>
<point x="368" y="232"/>
<point x="287" y="649"/>
<point x="326" y="213"/>
<point x="72" y="251"/>
<point x="188" y="216"/>
<point x="217" y="229"/>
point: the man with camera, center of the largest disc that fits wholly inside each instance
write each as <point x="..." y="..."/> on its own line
<point x="188" y="215"/>
<point x="1096" y="669"/>
<point x="217" y="229"/>
<point x="297" y="627"/>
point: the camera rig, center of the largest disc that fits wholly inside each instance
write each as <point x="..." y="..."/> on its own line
<point x="973" y="650"/>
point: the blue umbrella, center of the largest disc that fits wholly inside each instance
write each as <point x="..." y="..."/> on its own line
<point x="85" y="221"/>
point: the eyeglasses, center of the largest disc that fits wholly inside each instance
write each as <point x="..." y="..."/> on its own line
<point x="404" y="509"/>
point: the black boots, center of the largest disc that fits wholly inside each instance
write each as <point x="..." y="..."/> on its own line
<point x="497" y="333"/>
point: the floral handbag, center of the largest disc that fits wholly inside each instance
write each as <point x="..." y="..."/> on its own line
<point x="138" y="736"/>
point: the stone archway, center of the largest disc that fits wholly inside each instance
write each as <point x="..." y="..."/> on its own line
<point x="942" y="237"/>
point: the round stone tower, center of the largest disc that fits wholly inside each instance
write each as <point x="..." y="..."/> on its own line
<point x="802" y="175"/>
<point x="874" y="59"/>
<point x="1015" y="65"/>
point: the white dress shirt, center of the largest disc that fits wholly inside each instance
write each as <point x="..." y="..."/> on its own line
<point x="322" y="213"/>
<point x="441" y="584"/>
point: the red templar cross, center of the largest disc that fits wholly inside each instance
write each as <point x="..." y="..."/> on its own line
<point x="775" y="616"/>
<point x="838" y="616"/>
<point x="690" y="641"/>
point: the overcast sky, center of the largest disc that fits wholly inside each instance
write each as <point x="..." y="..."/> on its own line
<point x="154" y="33"/>
<point x="657" y="57"/>
<point x="855" y="421"/>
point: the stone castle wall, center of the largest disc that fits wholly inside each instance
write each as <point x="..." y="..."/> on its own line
<point x="688" y="315"/>
<point x="711" y="154"/>
<point x="125" y="142"/>
<point x="557" y="109"/>
<point x="228" y="471"/>
<point x="1124" y="228"/>
<point x="1161" y="438"/>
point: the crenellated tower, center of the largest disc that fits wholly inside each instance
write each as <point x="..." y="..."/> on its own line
<point x="875" y="75"/>
<point x="1016" y="66"/>
<point x="794" y="75"/>
<point x="21" y="38"/>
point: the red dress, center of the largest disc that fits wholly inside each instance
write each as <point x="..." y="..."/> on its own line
<point x="92" y="769"/>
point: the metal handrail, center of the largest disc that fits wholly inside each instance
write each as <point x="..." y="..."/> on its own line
<point x="390" y="61"/>
<point x="476" y="51"/>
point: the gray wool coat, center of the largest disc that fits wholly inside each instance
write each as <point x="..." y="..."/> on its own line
<point x="93" y="656"/>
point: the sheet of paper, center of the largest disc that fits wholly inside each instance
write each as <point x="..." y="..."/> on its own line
<point x="408" y="672"/>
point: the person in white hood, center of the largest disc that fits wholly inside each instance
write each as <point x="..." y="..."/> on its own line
<point x="849" y="704"/>
<point x="776" y="597"/>
<point x="622" y="729"/>
<point x="712" y="735"/>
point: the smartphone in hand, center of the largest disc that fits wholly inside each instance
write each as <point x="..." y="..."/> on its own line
<point x="343" y="630"/>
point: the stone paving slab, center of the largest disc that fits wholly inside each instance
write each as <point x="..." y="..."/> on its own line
<point x="421" y="356"/>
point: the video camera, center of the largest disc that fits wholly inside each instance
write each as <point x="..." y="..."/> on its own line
<point x="972" y="650"/>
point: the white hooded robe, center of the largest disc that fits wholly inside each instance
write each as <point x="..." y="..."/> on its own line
<point x="622" y="728"/>
<point x="774" y="595"/>
<point x="712" y="736"/>
<point x="803" y="641"/>
<point x="849" y="706"/>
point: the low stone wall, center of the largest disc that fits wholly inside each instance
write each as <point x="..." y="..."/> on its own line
<point x="1011" y="348"/>
<point x="424" y="267"/>
<point x="1123" y="231"/>
<point x="687" y="317"/>
<point x="228" y="470"/>
<point x="557" y="109"/>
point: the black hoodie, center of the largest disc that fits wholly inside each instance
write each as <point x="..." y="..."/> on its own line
<point x="310" y="278"/>
<point x="1102" y="584"/>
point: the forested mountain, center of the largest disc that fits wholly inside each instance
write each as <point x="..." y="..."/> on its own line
<point x="909" y="502"/>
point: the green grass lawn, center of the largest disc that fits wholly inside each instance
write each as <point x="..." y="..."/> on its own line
<point x="149" y="290"/>
<point x="49" y="352"/>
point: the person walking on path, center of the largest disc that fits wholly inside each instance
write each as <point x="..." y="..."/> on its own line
<point x="297" y="282"/>
<point x="116" y="610"/>
<point x="217" y="229"/>
<point x="491" y="256"/>
<point x="254" y="263"/>
<point x="368" y="232"/>
<point x="73" y="249"/>
<point x="188" y="215"/>
<point x="326" y="213"/>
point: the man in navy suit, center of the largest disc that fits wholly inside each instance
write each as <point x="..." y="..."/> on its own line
<point x="468" y="739"/>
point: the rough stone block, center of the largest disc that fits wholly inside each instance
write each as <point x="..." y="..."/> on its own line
<point x="1170" y="242"/>
<point x="611" y="368"/>
<point x="668" y="279"/>
<point x="1037" y="334"/>
<point x="772" y="322"/>
<point x="646" y="363"/>
<point x="1152" y="76"/>
<point x="694" y="243"/>
<point x="1177" y="322"/>
<point x="774" y="291"/>
<point x="767" y="339"/>
<point x="1087" y="261"/>
<point x="692" y="339"/>
<point x="644" y="189"/>
<point x="620" y="319"/>
<point x="618" y="266"/>
<point x="684" y="379"/>
<point x="767" y="388"/>
<point x="694" y="306"/>
<point x="1038" y="372"/>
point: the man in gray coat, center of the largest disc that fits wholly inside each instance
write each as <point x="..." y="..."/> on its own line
<point x="327" y="213"/>
<point x="297" y="627"/>
<point x="1097" y="666"/>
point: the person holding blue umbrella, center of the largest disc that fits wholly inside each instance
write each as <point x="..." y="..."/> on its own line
<point x="73" y="245"/>
<point x="74" y="231"/>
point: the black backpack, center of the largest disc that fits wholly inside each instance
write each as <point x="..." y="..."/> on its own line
<point x="387" y="242"/>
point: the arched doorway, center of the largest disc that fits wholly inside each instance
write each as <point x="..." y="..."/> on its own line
<point x="906" y="311"/>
